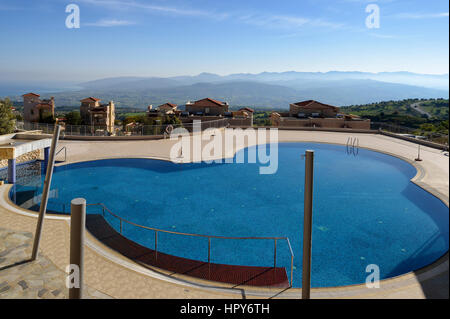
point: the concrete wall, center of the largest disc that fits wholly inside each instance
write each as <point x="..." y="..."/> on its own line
<point x="248" y="122"/>
<point x="321" y="122"/>
<point x="31" y="156"/>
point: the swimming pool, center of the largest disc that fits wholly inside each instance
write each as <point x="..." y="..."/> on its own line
<point x="366" y="210"/>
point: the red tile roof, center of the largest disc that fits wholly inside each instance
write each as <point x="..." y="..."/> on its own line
<point x="43" y="105"/>
<point x="90" y="99"/>
<point x="31" y="94"/>
<point x="211" y="100"/>
<point x="169" y="104"/>
<point x="247" y="109"/>
<point x="309" y="104"/>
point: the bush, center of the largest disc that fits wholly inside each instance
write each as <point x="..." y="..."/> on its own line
<point x="73" y="118"/>
<point x="7" y="117"/>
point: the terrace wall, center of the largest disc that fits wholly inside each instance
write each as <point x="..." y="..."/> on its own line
<point x="324" y="122"/>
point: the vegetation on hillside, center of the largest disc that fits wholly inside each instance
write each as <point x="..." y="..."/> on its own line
<point x="401" y="113"/>
<point x="381" y="111"/>
<point x="261" y="118"/>
<point x="7" y="117"/>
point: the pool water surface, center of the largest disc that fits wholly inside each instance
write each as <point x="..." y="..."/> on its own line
<point x="366" y="210"/>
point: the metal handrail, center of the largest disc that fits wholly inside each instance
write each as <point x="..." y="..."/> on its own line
<point x="355" y="142"/>
<point x="156" y="230"/>
<point x="349" y="142"/>
<point x="65" y="152"/>
<point x="352" y="145"/>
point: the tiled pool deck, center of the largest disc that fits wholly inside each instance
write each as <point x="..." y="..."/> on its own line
<point x="25" y="279"/>
<point x="110" y="273"/>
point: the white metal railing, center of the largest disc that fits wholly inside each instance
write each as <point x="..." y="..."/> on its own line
<point x="209" y="237"/>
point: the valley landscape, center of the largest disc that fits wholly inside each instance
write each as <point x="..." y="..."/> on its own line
<point x="262" y="91"/>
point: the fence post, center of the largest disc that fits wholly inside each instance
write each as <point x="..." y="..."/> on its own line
<point x="307" y="224"/>
<point x="77" y="225"/>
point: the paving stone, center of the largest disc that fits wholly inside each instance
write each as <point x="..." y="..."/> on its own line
<point x="56" y="292"/>
<point x="23" y="284"/>
<point x="5" y="252"/>
<point x="36" y="283"/>
<point x="5" y="288"/>
<point x="42" y="292"/>
<point x="37" y="279"/>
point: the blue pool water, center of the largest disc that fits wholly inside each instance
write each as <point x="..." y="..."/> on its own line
<point x="366" y="210"/>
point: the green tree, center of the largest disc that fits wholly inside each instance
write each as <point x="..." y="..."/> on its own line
<point x="73" y="118"/>
<point x="46" y="117"/>
<point x="7" y="117"/>
<point x="171" y="120"/>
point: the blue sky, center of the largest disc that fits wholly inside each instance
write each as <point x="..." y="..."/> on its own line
<point x="187" y="37"/>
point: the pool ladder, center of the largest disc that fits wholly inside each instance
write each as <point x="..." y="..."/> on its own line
<point x="65" y="153"/>
<point x="352" y="146"/>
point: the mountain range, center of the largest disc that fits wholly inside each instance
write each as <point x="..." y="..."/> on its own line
<point x="263" y="90"/>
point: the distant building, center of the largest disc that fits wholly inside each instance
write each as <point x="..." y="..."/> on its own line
<point x="207" y="106"/>
<point x="167" y="108"/>
<point x="243" y="116"/>
<point x="316" y="114"/>
<point x="204" y="110"/>
<point x="312" y="108"/>
<point x="35" y="109"/>
<point x="100" y="116"/>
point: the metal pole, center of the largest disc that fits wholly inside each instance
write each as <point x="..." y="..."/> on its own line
<point x="307" y="224"/>
<point x="275" y="254"/>
<point x="209" y="250"/>
<point x="156" y="245"/>
<point x="418" y="159"/>
<point x="77" y="225"/>
<point x="44" y="200"/>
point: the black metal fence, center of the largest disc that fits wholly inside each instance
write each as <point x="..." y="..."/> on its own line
<point x="135" y="130"/>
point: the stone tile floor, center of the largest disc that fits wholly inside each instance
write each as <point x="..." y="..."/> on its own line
<point x="23" y="279"/>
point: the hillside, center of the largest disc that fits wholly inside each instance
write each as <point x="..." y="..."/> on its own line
<point x="248" y="93"/>
<point x="401" y="113"/>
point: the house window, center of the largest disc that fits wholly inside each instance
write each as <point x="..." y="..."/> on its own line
<point x="31" y="112"/>
<point x="207" y="110"/>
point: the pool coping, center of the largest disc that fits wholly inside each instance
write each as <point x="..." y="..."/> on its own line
<point x="429" y="271"/>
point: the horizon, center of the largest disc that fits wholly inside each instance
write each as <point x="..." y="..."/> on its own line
<point x="136" y="38"/>
<point x="262" y="72"/>
<point x="74" y="82"/>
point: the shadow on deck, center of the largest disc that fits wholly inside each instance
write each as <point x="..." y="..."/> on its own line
<point x="230" y="274"/>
